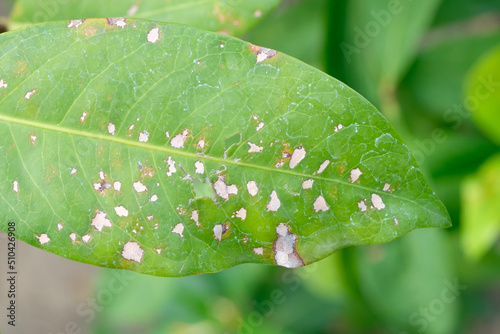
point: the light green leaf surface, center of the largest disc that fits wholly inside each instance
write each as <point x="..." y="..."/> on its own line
<point x="480" y="210"/>
<point x="173" y="151"/>
<point x="482" y="95"/>
<point x="233" y="17"/>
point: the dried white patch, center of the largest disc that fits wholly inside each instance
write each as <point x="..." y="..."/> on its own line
<point x="28" y="95"/>
<point x="59" y="226"/>
<point x="73" y="171"/>
<point x="265" y="53"/>
<point x="355" y="174"/>
<point x="241" y="213"/>
<point x="196" y="217"/>
<point x="86" y="238"/>
<point x="258" y="250"/>
<point x="179" y="140"/>
<point x="257" y="13"/>
<point x="201" y="143"/>
<point x="284" y="248"/>
<point x="362" y="206"/>
<point x="15" y="186"/>
<point x="100" y="221"/>
<point x="139" y="187"/>
<point x="132" y="10"/>
<point x="338" y="127"/>
<point x="117" y="185"/>
<point x="84" y="115"/>
<point x="377" y="202"/>
<point x="144" y="136"/>
<point x="75" y="23"/>
<point x="320" y="204"/>
<point x="3" y="84"/>
<point x="32" y="139"/>
<point x="387" y="187"/>
<point x="154" y="35"/>
<point x="297" y="156"/>
<point x="396" y="222"/>
<point x="254" y="148"/>
<point x="119" y="22"/>
<point x="179" y="228"/>
<point x="223" y="190"/>
<point x="154" y="198"/>
<point x="167" y="134"/>
<point x="130" y="128"/>
<point x="275" y="203"/>
<point x="171" y="166"/>
<point x="72" y="236"/>
<point x="252" y="188"/>
<point x="279" y="164"/>
<point x="200" y="168"/>
<point x="121" y="211"/>
<point x="323" y="166"/>
<point x="219" y="230"/>
<point x="43" y="238"/>
<point x="307" y="184"/>
<point x="260" y="126"/>
<point x="132" y="251"/>
<point x="158" y="250"/>
<point x="111" y="128"/>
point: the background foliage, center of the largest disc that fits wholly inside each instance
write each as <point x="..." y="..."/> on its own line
<point x="421" y="64"/>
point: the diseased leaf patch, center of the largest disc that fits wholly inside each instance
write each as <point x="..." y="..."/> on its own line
<point x="172" y="151"/>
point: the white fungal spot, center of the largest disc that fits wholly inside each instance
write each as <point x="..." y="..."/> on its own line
<point x="362" y="206"/>
<point x="284" y="248"/>
<point x="179" y="228"/>
<point x="121" y="211"/>
<point x="254" y="148"/>
<point x="117" y="185"/>
<point x="179" y="140"/>
<point x="132" y="10"/>
<point x="84" y="115"/>
<point x="275" y="203"/>
<point x="307" y="184"/>
<point x="15" y="186"/>
<point x="154" y="198"/>
<point x="355" y="174"/>
<point x="252" y="188"/>
<point x="200" y="168"/>
<point x="139" y="187"/>
<point x="3" y="84"/>
<point x="241" y="213"/>
<point x="396" y="222"/>
<point x="260" y="126"/>
<point x="297" y="156"/>
<point x="86" y="238"/>
<point x="195" y="217"/>
<point x="153" y="35"/>
<point x="338" y="127"/>
<point x="320" y="204"/>
<point x="377" y="202"/>
<point x="171" y="166"/>
<point x="387" y="187"/>
<point x="28" y="95"/>
<point x="323" y="166"/>
<point x="223" y="190"/>
<point x="43" y="238"/>
<point x="75" y="23"/>
<point x="219" y="230"/>
<point x="59" y="226"/>
<point x="72" y="236"/>
<point x="100" y="221"/>
<point x="73" y="171"/>
<point x="201" y="143"/>
<point x="265" y="53"/>
<point x="132" y="251"/>
<point x="144" y="136"/>
<point x="258" y="250"/>
<point x="119" y="22"/>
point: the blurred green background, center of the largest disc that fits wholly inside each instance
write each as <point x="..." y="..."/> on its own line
<point x="433" y="68"/>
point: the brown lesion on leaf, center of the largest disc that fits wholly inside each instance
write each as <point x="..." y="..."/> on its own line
<point x="286" y="154"/>
<point x="147" y="172"/>
<point x="50" y="174"/>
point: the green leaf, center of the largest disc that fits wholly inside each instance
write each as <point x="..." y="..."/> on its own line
<point x="172" y="151"/>
<point x="233" y="17"/>
<point x="480" y="210"/>
<point x="482" y="94"/>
